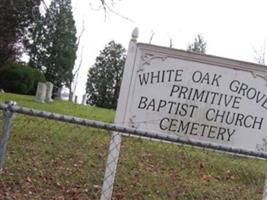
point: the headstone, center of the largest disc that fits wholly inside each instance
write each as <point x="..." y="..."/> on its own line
<point x="84" y="99"/>
<point x="76" y="99"/>
<point x="49" y="90"/>
<point x="71" y="96"/>
<point x="63" y="93"/>
<point x="59" y="91"/>
<point x="41" y="92"/>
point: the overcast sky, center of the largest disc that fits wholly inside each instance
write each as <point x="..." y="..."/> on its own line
<point x="232" y="28"/>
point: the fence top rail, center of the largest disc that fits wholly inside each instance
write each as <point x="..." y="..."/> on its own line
<point x="12" y="107"/>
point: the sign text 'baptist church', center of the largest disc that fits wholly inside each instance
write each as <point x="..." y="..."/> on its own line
<point x="201" y="97"/>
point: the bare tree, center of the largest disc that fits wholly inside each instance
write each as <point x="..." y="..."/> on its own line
<point x="171" y="43"/>
<point x="260" y="54"/>
<point x="77" y="70"/>
<point x="199" y="45"/>
<point x="108" y="7"/>
<point x="151" y="37"/>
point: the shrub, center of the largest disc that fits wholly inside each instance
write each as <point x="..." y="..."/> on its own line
<point x="37" y="77"/>
<point x="19" y="78"/>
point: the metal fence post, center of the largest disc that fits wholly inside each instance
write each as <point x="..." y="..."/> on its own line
<point x="111" y="166"/>
<point x="7" y="115"/>
<point x="114" y="148"/>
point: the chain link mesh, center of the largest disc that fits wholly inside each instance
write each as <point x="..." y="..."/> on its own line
<point x="48" y="159"/>
<point x="153" y="170"/>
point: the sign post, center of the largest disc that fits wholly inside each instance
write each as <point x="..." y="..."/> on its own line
<point x="114" y="148"/>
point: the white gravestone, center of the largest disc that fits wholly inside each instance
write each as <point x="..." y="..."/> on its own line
<point x="49" y="91"/>
<point x="59" y="93"/>
<point x="76" y="99"/>
<point x="63" y="93"/>
<point x="84" y="99"/>
<point x="41" y="92"/>
<point x="71" y="95"/>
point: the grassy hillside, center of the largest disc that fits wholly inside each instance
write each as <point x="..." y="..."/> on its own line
<point x="54" y="160"/>
<point x="63" y="107"/>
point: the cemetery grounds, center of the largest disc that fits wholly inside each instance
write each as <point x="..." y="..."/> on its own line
<point x="47" y="159"/>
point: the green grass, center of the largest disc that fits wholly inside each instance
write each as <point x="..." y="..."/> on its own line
<point x="54" y="160"/>
<point x="63" y="107"/>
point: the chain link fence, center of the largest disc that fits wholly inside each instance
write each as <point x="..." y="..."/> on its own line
<point x="51" y="156"/>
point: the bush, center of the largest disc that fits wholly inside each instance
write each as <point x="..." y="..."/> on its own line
<point x="19" y="78"/>
<point x="37" y="77"/>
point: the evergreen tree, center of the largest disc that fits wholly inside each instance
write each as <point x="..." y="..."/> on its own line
<point x="16" y="20"/>
<point x="35" y="46"/>
<point x="199" y="45"/>
<point x="104" y="78"/>
<point x="54" y="49"/>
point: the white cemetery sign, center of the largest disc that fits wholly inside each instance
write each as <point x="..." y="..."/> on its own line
<point x="201" y="97"/>
<point x="195" y="96"/>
